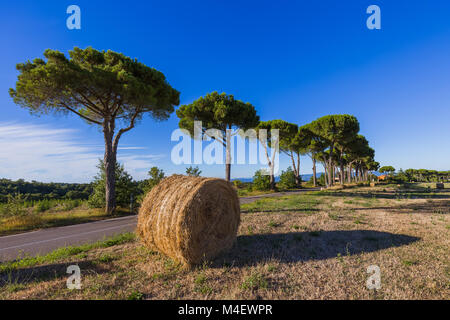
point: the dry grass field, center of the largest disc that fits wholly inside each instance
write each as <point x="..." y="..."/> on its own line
<point x="310" y="246"/>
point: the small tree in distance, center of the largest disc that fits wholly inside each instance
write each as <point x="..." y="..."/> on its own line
<point x="193" y="172"/>
<point x="261" y="181"/>
<point x="387" y="169"/>
<point x="126" y="188"/>
<point x="286" y="133"/>
<point x="221" y="112"/>
<point x="156" y="175"/>
<point x="288" y="179"/>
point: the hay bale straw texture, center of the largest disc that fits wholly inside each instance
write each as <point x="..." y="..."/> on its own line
<point x="190" y="219"/>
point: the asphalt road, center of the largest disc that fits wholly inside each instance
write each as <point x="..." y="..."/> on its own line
<point x="46" y="240"/>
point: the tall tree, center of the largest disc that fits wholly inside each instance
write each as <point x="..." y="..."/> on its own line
<point x="221" y="112"/>
<point x="306" y="142"/>
<point x="286" y="134"/>
<point x="336" y="129"/>
<point x="104" y="88"/>
<point x="389" y="170"/>
<point x="126" y="187"/>
<point x="355" y="151"/>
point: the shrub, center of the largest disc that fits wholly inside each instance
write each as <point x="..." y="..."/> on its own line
<point x="238" y="183"/>
<point x="321" y="180"/>
<point x="42" y="205"/>
<point x="287" y="179"/>
<point x="261" y="181"/>
<point x="126" y="188"/>
<point x="14" y="206"/>
<point x="156" y="175"/>
<point x="193" y="171"/>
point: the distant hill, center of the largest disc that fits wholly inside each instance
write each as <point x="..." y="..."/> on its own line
<point x="38" y="190"/>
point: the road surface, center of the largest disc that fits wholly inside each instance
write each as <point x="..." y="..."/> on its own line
<point x="46" y="240"/>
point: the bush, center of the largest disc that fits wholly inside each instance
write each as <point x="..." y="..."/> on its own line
<point x="42" y="206"/>
<point x="321" y="180"/>
<point x="191" y="171"/>
<point x="261" y="181"/>
<point x="156" y="175"/>
<point x="14" y="206"/>
<point x="238" y="183"/>
<point x="126" y="188"/>
<point x="287" y="179"/>
<point x="70" y="204"/>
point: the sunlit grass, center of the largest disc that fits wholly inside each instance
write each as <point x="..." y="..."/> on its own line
<point x="33" y="221"/>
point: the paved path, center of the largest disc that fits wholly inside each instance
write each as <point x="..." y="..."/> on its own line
<point x="47" y="240"/>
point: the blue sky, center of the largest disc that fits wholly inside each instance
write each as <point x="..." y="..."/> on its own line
<point x="293" y="60"/>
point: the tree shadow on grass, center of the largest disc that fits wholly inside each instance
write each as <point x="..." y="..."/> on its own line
<point x="306" y="246"/>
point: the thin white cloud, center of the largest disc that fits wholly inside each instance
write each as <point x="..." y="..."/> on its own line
<point x="36" y="152"/>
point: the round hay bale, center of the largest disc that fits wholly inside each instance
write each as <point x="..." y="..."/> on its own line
<point x="190" y="219"/>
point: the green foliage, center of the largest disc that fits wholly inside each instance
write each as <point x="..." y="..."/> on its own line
<point x="261" y="181"/>
<point x="238" y="183"/>
<point x="91" y="84"/>
<point x="287" y="132"/>
<point x="287" y="179"/>
<point x="14" y="206"/>
<point x="321" y="180"/>
<point x="193" y="172"/>
<point x="336" y="128"/>
<point x="156" y="175"/>
<point x="126" y="189"/>
<point x="35" y="191"/>
<point x="136" y="295"/>
<point x="401" y="177"/>
<point x="424" y="175"/>
<point x="387" y="169"/>
<point x="42" y="206"/>
<point x="102" y="87"/>
<point x="218" y="111"/>
<point x="255" y="281"/>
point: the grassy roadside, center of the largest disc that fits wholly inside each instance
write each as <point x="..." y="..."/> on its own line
<point x="57" y="217"/>
<point x="65" y="252"/>
<point x="306" y="246"/>
<point x="34" y="221"/>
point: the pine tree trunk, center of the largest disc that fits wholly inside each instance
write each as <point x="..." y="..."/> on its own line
<point x="294" y="167"/>
<point x="314" y="173"/>
<point x="299" y="178"/>
<point x="272" y="182"/>
<point x="228" y="171"/>
<point x="330" y="173"/>
<point x="228" y="154"/>
<point x="110" y="166"/>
